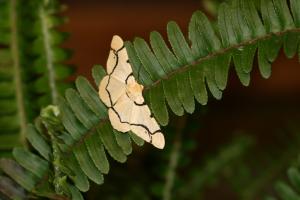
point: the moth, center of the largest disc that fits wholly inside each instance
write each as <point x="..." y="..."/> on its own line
<point x="123" y="96"/>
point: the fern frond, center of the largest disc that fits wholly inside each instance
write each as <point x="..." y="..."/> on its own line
<point x="84" y="140"/>
<point x="288" y="189"/>
<point x="175" y="77"/>
<point x="44" y="173"/>
<point x="31" y="70"/>
<point x="84" y="117"/>
<point x="13" y="116"/>
<point x="49" y="56"/>
<point x="82" y="135"/>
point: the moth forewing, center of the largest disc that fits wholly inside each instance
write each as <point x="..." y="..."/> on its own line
<point x="116" y="42"/>
<point x="111" y="61"/>
<point x="123" y="96"/>
<point x="104" y="95"/>
<point x="116" y="122"/>
<point x="158" y="140"/>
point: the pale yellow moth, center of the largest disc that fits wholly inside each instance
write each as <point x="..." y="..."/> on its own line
<point x="123" y="96"/>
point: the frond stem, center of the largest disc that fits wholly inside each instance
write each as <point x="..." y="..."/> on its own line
<point x="220" y="52"/>
<point x="17" y="70"/>
<point x="49" y="55"/>
<point x="91" y="131"/>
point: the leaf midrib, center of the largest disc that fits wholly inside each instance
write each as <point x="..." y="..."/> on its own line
<point x="222" y="51"/>
<point x="17" y="70"/>
<point x="49" y="55"/>
<point x="87" y="134"/>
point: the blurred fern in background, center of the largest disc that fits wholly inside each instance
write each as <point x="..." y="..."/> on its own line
<point x="32" y="69"/>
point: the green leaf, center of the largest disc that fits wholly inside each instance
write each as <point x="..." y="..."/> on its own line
<point x="238" y="58"/>
<point x="210" y="77"/>
<point x="97" y="153"/>
<point x="87" y="164"/>
<point x="222" y="69"/>
<point x="291" y="44"/>
<point x="81" y="111"/>
<point x="9" y="123"/>
<point x="5" y="38"/>
<point x="107" y="137"/>
<point x="227" y="32"/>
<point x="202" y="35"/>
<point x="76" y="174"/>
<point x="70" y="122"/>
<point x="263" y="62"/>
<point x="158" y="105"/>
<point x="63" y="71"/>
<point x="148" y="60"/>
<point x="162" y="52"/>
<point x="246" y="23"/>
<point x="5" y="57"/>
<point x="139" y="71"/>
<point x="6" y="74"/>
<point x="75" y="194"/>
<point x="123" y="140"/>
<point x="9" y="188"/>
<point x="273" y="46"/>
<point x="9" y="140"/>
<point x="285" y="192"/>
<point x="90" y="97"/>
<point x="270" y="18"/>
<point x="98" y="73"/>
<point x="40" y="83"/>
<point x="26" y="179"/>
<point x="57" y="37"/>
<point x="284" y="14"/>
<point x="60" y="55"/>
<point x="270" y="198"/>
<point x="179" y="44"/>
<point x="4" y="22"/>
<point x="239" y="24"/>
<point x="54" y="21"/>
<point x="295" y="8"/>
<point x="294" y="176"/>
<point x="198" y="84"/>
<point x="185" y="92"/>
<point x="276" y="15"/>
<point x="250" y="17"/>
<point x="137" y="140"/>
<point x="38" y="142"/>
<point x="7" y="90"/>
<point x="170" y="90"/>
<point x="267" y="52"/>
<point x="31" y="162"/>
